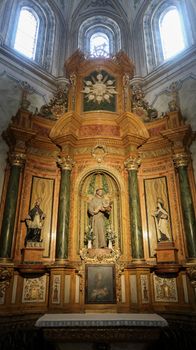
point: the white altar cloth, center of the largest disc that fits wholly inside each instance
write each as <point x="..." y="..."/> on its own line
<point x="101" y="320"/>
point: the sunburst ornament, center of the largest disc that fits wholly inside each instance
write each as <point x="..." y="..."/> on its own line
<point x="100" y="89"/>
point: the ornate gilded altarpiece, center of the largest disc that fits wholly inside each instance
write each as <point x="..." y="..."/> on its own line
<point x="85" y="140"/>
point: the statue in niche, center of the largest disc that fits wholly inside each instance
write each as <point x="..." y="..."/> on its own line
<point x="161" y="222"/>
<point x="34" y="222"/>
<point x="99" y="209"/>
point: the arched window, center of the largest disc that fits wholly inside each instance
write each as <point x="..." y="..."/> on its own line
<point x="99" y="36"/>
<point x="99" y="45"/>
<point x="27" y="33"/>
<point x="31" y="32"/>
<point x="167" y="31"/>
<point x="172" y="38"/>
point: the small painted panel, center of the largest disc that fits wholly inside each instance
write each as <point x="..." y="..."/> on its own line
<point x="2" y="297"/>
<point x="185" y="289"/>
<point x="43" y="189"/>
<point x="157" y="212"/>
<point x="67" y="289"/>
<point x="165" y="289"/>
<point x="14" y="289"/>
<point x="123" y="291"/>
<point x="133" y="289"/>
<point x="56" y="288"/>
<point x="144" y="289"/>
<point x="34" y="290"/>
<point x="77" y="290"/>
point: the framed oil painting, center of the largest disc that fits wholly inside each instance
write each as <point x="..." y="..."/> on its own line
<point x="100" y="284"/>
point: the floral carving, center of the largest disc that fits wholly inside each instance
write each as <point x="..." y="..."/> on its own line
<point x="100" y="89"/>
<point x="192" y="275"/>
<point x="5" y="277"/>
<point x="140" y="106"/>
<point x="57" y="105"/>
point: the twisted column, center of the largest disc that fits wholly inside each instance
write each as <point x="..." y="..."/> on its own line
<point x="132" y="164"/>
<point x="181" y="162"/>
<point x="66" y="165"/>
<point x="16" y="161"/>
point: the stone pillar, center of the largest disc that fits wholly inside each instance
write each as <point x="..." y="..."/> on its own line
<point x="64" y="209"/>
<point x="7" y="230"/>
<point x="181" y="162"/>
<point x="132" y="165"/>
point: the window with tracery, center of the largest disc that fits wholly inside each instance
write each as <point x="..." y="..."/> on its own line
<point x="27" y="33"/>
<point x="99" y="36"/>
<point x="99" y="45"/>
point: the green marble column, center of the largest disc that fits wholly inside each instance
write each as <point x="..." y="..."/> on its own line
<point x="181" y="163"/>
<point x="132" y="165"/>
<point x="64" y="209"/>
<point x="7" y="229"/>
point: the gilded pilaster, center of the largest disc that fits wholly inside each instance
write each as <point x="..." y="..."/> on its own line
<point x="132" y="164"/>
<point x="66" y="165"/>
<point x="16" y="161"/>
<point x="181" y="162"/>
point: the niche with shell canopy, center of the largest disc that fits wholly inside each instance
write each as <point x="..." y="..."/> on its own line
<point x="111" y="193"/>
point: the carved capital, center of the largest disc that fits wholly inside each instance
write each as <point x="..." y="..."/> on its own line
<point x="181" y="159"/>
<point x="65" y="163"/>
<point x="132" y="163"/>
<point x="17" y="159"/>
<point x="5" y="277"/>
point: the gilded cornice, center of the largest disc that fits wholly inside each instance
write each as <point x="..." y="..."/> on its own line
<point x="67" y="125"/>
<point x="120" y="63"/>
<point x="155" y="153"/>
<point x="180" y="137"/>
<point x="42" y="152"/>
<point x="112" y="150"/>
<point x="130" y="124"/>
<point x="42" y="143"/>
<point x="133" y="131"/>
<point x="17" y="137"/>
<point x="157" y="144"/>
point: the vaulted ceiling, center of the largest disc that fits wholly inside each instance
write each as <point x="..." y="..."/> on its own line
<point x="130" y="8"/>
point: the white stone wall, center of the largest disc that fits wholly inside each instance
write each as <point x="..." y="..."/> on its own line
<point x="160" y="94"/>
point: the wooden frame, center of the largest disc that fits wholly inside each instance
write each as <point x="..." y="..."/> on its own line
<point x="100" y="284"/>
